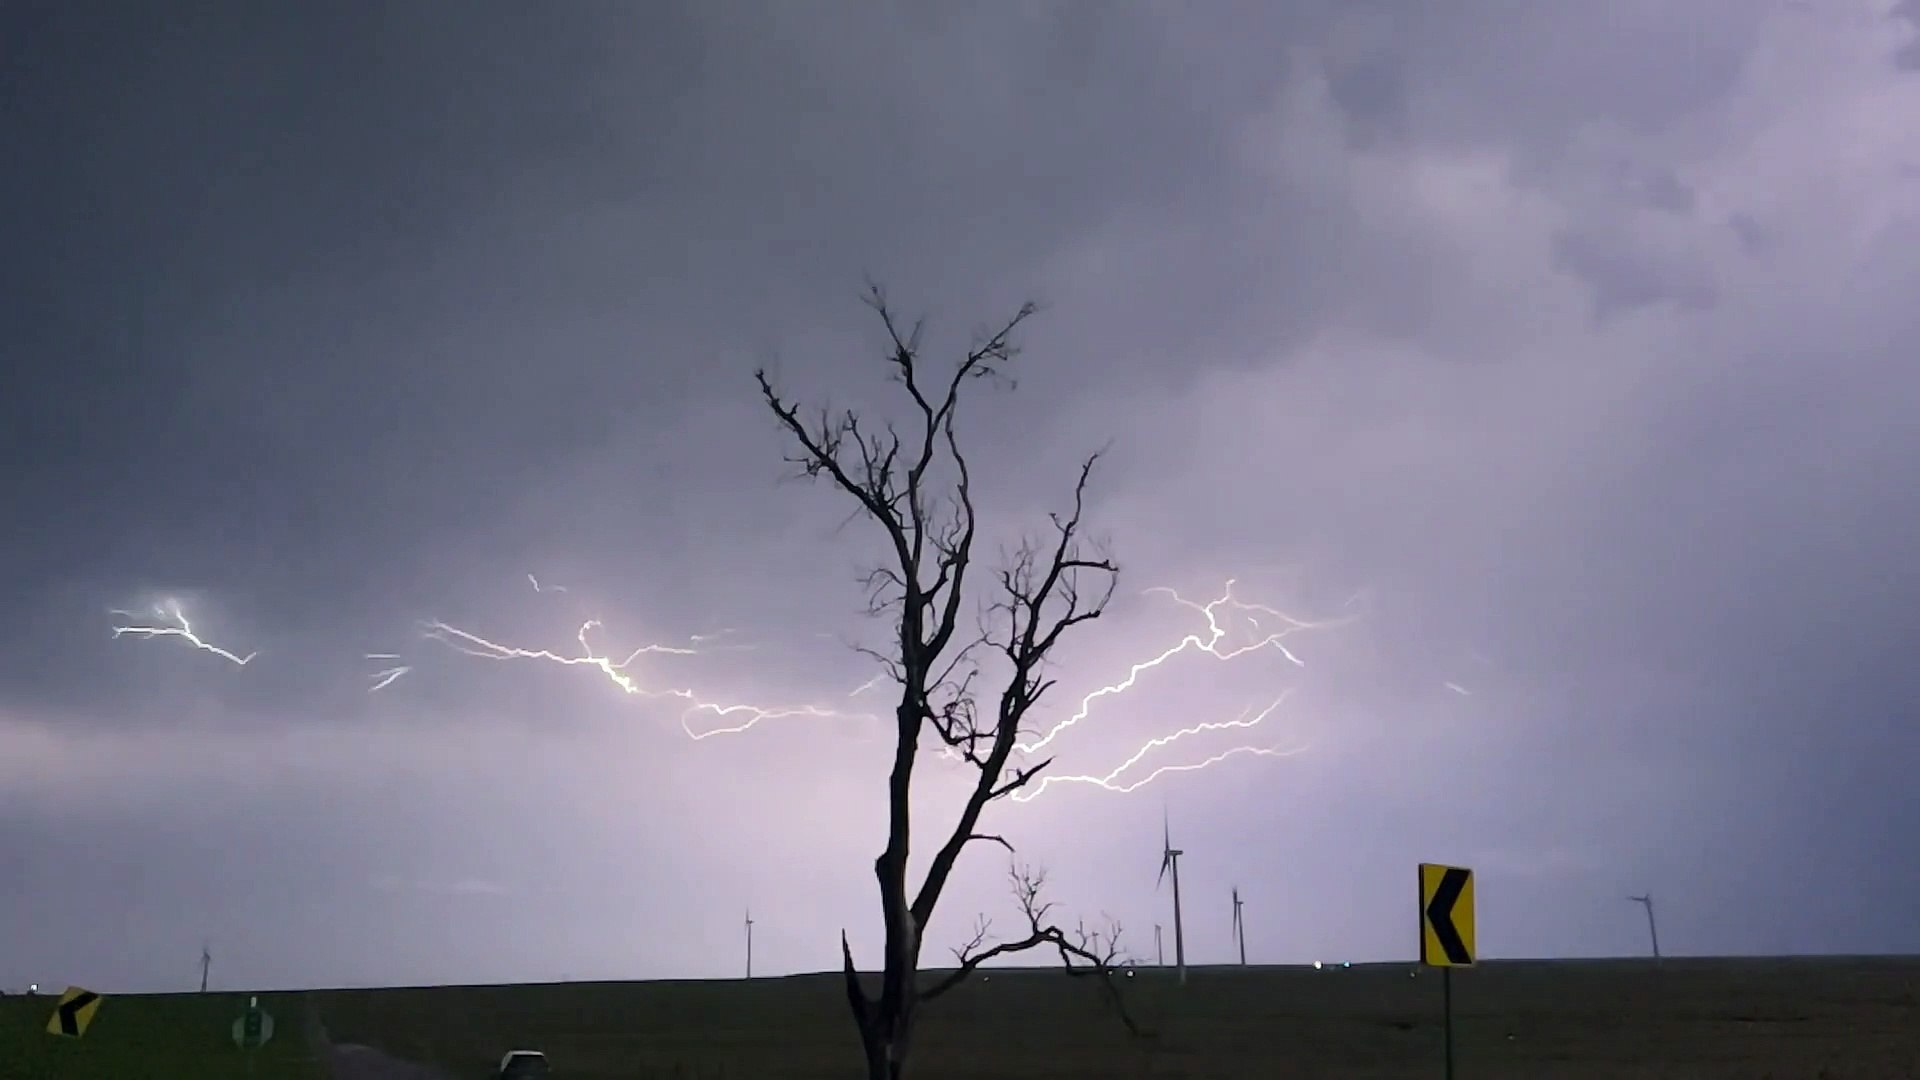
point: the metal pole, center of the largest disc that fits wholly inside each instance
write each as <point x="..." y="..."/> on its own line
<point x="1179" y="938"/>
<point x="1446" y="994"/>
<point x="1653" y="931"/>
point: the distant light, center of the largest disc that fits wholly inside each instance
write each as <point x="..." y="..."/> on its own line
<point x="1316" y="965"/>
<point x="1346" y="963"/>
<point x="33" y="988"/>
<point x="1129" y="973"/>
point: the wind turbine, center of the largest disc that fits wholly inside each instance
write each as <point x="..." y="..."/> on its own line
<point x="1652" y="930"/>
<point x="1239" y="926"/>
<point x="1170" y="860"/>
<point x="749" y="943"/>
<point x="206" y="962"/>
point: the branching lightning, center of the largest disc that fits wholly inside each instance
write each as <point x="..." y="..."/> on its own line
<point x="1112" y="780"/>
<point x="386" y="676"/>
<point x="1224" y="614"/>
<point x="173" y="623"/>
<point x="1208" y="643"/>
<point x="1234" y="628"/>
<point x="732" y="718"/>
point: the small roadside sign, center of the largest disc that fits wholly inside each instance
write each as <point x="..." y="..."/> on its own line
<point x="254" y="1027"/>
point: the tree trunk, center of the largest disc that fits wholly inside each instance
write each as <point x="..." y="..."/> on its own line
<point x="886" y="1055"/>
<point x="886" y="1029"/>
<point x="888" y="1024"/>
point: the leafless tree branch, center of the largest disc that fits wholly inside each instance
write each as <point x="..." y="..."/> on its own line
<point x="1082" y="954"/>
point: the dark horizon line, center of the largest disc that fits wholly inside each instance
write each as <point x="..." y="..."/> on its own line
<point x="1668" y="960"/>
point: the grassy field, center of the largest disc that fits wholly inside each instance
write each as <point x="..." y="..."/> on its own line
<point x="153" y="1037"/>
<point x="1699" y="1019"/>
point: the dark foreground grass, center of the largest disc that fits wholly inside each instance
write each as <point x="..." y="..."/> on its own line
<point x="1699" y="1019"/>
<point x="153" y="1037"/>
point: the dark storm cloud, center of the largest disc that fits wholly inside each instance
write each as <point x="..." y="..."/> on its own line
<point x="1563" y="349"/>
<point x="339" y="287"/>
<point x="1623" y="279"/>
<point x="1909" y="55"/>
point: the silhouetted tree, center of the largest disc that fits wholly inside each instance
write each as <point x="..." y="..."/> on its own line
<point x="917" y="486"/>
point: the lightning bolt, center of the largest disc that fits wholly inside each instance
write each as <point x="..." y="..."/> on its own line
<point x="731" y="718"/>
<point x="696" y="639"/>
<point x="173" y="623"/>
<point x="1112" y="780"/>
<point x="1224" y="615"/>
<point x="1256" y="616"/>
<point x="388" y="675"/>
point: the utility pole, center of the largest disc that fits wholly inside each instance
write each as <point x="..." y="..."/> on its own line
<point x="749" y="943"/>
<point x="1652" y="930"/>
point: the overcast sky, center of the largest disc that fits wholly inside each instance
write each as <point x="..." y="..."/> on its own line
<point x="1557" y="356"/>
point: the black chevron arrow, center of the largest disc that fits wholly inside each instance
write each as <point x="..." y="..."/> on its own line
<point x="69" y="1012"/>
<point x="1440" y="915"/>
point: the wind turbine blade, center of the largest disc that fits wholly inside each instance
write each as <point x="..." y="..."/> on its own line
<point x="1166" y="845"/>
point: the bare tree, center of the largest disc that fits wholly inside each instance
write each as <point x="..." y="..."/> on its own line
<point x="1099" y="951"/>
<point x="916" y="485"/>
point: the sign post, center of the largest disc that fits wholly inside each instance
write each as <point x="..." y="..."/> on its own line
<point x="1446" y="932"/>
<point x="252" y="1030"/>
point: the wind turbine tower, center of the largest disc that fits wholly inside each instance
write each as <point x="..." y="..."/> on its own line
<point x="206" y="962"/>
<point x="1652" y="930"/>
<point x="749" y="943"/>
<point x="1170" y="860"/>
<point x="1239" y="926"/>
<point x="1159" y="950"/>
